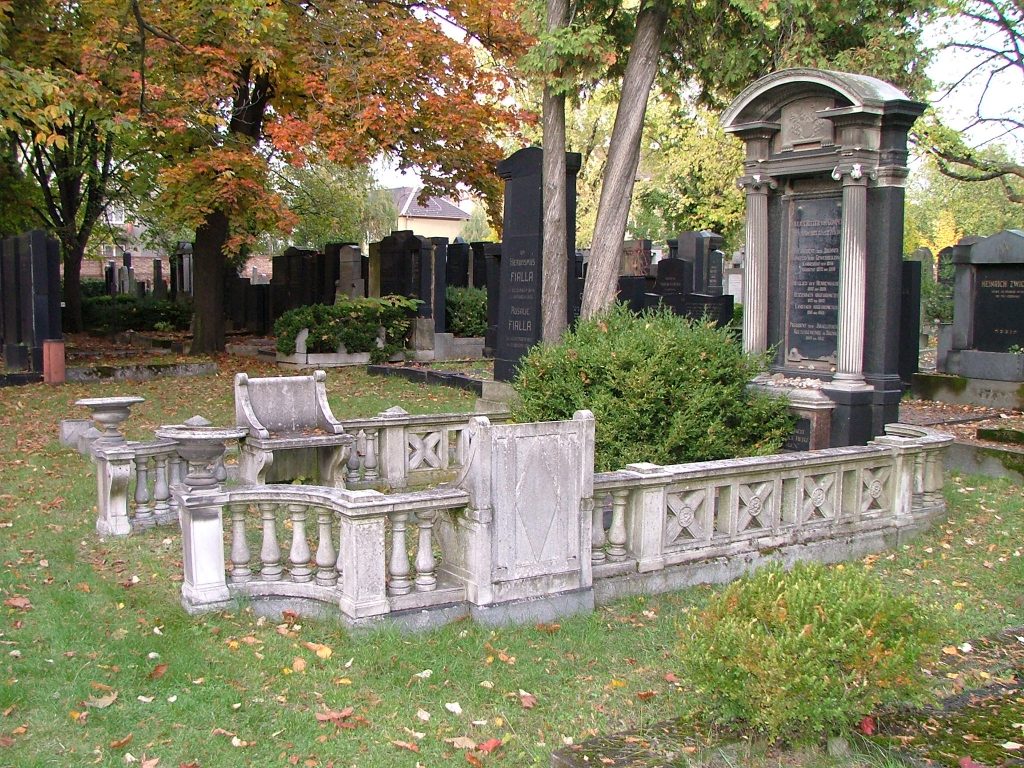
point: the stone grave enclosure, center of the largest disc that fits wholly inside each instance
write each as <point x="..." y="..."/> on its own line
<point x="521" y="528"/>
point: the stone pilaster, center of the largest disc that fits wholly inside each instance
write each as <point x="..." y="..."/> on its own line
<point x="852" y="277"/>
<point x="755" y="289"/>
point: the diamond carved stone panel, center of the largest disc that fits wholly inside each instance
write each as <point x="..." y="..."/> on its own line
<point x="536" y="495"/>
<point x="687" y="517"/>
<point x="754" y="506"/>
<point x="875" y="490"/>
<point x="424" y="450"/>
<point x="818" y="497"/>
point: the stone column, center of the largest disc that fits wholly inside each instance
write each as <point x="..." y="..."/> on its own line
<point x="755" y="278"/>
<point x="852" y="277"/>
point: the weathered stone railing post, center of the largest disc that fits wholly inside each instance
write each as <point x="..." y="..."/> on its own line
<point x="363" y="587"/>
<point x="114" y="460"/>
<point x="201" y="508"/>
<point x="644" y="515"/>
<point x="392" y="440"/>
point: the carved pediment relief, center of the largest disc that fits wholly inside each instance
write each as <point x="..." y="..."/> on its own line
<point x="802" y="128"/>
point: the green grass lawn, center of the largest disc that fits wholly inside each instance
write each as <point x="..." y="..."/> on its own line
<point x="99" y="660"/>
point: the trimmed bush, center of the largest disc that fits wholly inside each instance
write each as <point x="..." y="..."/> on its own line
<point x="466" y="311"/>
<point x="804" y="654"/>
<point x="113" y="314"/>
<point x="354" y="323"/>
<point x="663" y="389"/>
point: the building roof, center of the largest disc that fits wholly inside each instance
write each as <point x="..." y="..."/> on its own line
<point x="433" y="208"/>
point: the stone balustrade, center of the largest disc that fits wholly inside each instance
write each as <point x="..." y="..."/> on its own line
<point x="134" y="481"/>
<point x="399" y="450"/>
<point x="663" y="527"/>
<point x="526" y="531"/>
<point x="318" y="549"/>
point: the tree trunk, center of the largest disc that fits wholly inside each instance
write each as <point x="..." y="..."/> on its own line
<point x="623" y="160"/>
<point x="208" y="284"/>
<point x="71" y="317"/>
<point x="554" y="309"/>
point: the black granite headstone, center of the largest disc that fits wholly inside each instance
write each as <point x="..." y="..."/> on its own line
<point x="813" y="282"/>
<point x="519" y="317"/>
<point x="479" y="275"/>
<point x="800" y="438"/>
<point x="159" y="286"/>
<point x="440" y="271"/>
<point x="999" y="307"/>
<point x="30" y="298"/>
<point x="673" y="276"/>
<point x="632" y="291"/>
<point x="910" y="321"/>
<point x="457" y="265"/>
<point x="703" y="307"/>
<point x="490" y="253"/>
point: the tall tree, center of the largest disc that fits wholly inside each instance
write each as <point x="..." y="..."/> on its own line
<point x="712" y="50"/>
<point x="60" y="124"/>
<point x="986" y="40"/>
<point x="231" y="88"/>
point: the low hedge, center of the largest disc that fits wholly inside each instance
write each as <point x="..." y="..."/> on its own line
<point x="800" y="655"/>
<point x="354" y="323"/>
<point x="113" y="314"/>
<point x="466" y="311"/>
<point x="662" y="389"/>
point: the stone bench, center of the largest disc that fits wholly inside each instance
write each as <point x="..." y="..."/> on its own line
<point x="287" y="414"/>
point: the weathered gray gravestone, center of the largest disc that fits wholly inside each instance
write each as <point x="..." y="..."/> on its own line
<point x="519" y="321"/>
<point x="826" y="153"/>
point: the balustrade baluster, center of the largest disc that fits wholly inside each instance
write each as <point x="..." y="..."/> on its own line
<point x="399" y="582"/>
<point x="597" y="537"/>
<point x="426" y="563"/>
<point x="326" y="556"/>
<point x="339" y="566"/>
<point x="270" y="553"/>
<point x="352" y="465"/>
<point x="220" y="471"/>
<point x="370" y="460"/>
<point x="161" y="490"/>
<point x="299" y="554"/>
<point x="240" y="555"/>
<point x="174" y="466"/>
<point x="617" y="530"/>
<point x="143" y="509"/>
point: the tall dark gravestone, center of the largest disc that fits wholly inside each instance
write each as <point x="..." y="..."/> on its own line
<point x="491" y="259"/>
<point x="519" y="320"/>
<point x="988" y="308"/>
<point x="824" y="173"/>
<point x="440" y="270"/>
<point x="479" y="266"/>
<point x="457" y="265"/>
<point x="407" y="269"/>
<point x="30" y="298"/>
<point x="910" y="321"/>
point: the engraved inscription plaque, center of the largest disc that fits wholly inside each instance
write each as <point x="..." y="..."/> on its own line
<point x="999" y="308"/>
<point x="812" y="290"/>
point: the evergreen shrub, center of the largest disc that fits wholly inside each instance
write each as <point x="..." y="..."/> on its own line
<point x="113" y="314"/>
<point x="466" y="311"/>
<point x="804" y="654"/>
<point x="355" y="323"/>
<point x="662" y="389"/>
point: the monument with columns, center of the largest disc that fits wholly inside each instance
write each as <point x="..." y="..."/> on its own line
<point x="824" y="173"/>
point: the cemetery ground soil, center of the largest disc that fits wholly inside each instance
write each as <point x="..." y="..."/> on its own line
<point x="99" y="664"/>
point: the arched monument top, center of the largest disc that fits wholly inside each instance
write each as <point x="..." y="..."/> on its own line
<point x="761" y="101"/>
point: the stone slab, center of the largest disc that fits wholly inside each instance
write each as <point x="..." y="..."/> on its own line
<point x="977" y="364"/>
<point x="959" y="390"/>
<point x="984" y="460"/>
<point x="532" y="610"/>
